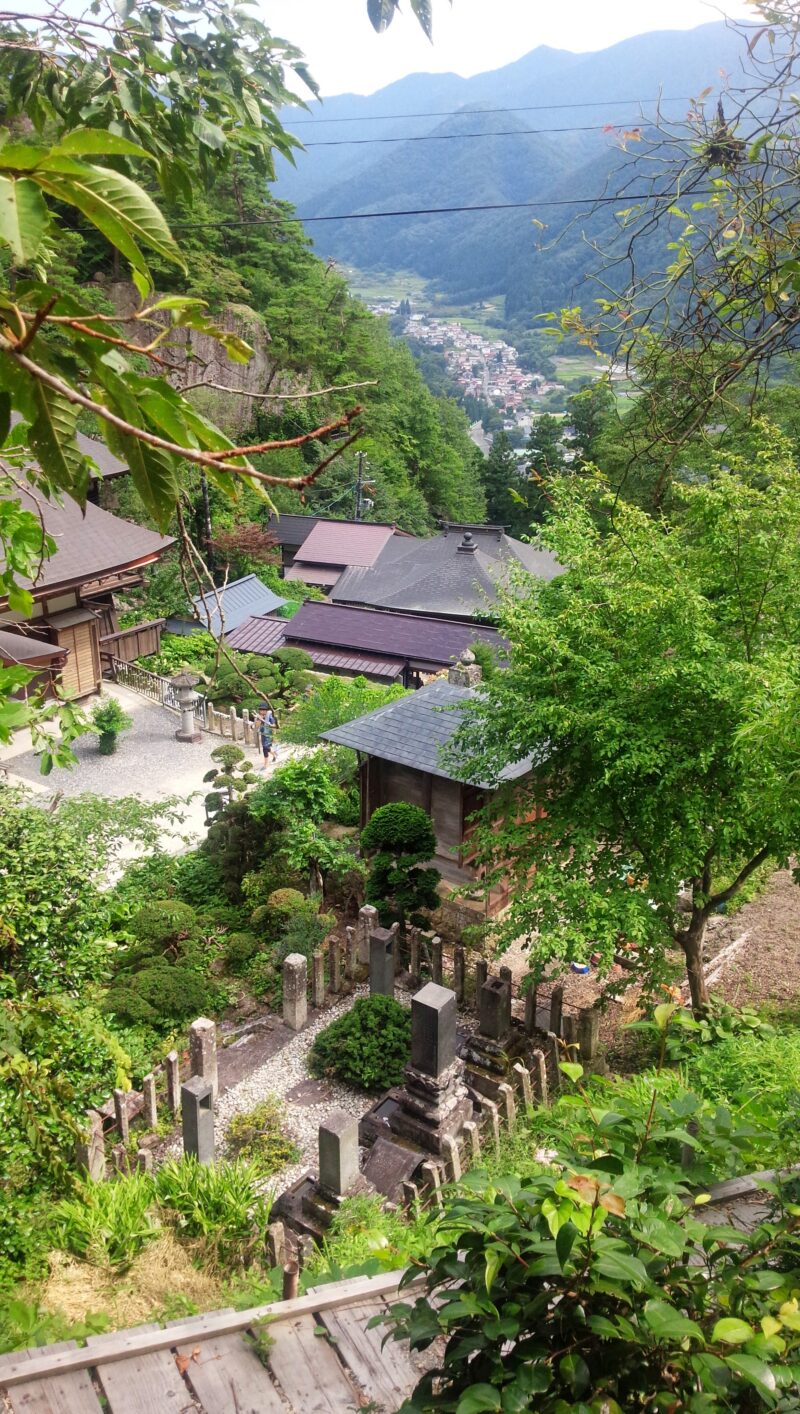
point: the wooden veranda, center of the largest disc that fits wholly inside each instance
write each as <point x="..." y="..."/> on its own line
<point x="321" y="1358"/>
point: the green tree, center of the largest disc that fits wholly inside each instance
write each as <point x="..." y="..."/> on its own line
<point x="507" y="491"/>
<point x="588" y="415"/>
<point x="399" y="840"/>
<point x="652" y="685"/>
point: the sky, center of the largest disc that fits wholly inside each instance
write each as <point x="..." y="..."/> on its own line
<point x="472" y="36"/>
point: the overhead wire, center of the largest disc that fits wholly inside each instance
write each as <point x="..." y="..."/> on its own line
<point x="450" y="137"/>
<point x="459" y="112"/>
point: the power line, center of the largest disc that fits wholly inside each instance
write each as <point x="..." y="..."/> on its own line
<point x="461" y="112"/>
<point x="450" y="137"/>
<point x="627" y="199"/>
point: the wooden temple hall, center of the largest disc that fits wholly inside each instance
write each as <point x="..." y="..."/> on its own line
<point x="73" y="631"/>
<point x="402" y="755"/>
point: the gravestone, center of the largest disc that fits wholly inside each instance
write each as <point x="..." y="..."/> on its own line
<point x="390" y="1166"/>
<point x="172" y="1068"/>
<point x="494" y="1009"/>
<point x="295" y="984"/>
<point x="121" y="1114"/>
<point x="197" y="1119"/>
<point x="150" y="1101"/>
<point x="459" y="974"/>
<point x="203" y="1052"/>
<point x="381" y="962"/>
<point x="433" y="1104"/>
<point x="338" y="1152"/>
<point x="318" y="979"/>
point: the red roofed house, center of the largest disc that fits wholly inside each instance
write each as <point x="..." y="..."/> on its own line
<point x="334" y="546"/>
<point x="74" y="622"/>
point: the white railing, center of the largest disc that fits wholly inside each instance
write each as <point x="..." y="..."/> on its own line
<point x="230" y="724"/>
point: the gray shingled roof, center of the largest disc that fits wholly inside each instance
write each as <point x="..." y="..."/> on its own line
<point x="441" y="575"/>
<point x="241" y="599"/>
<point x="415" y="730"/>
<point x="291" y="530"/>
<point x="407" y="637"/>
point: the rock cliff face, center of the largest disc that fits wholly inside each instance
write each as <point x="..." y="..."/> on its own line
<point x="198" y="357"/>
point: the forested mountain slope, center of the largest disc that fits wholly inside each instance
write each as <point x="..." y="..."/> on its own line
<point x="248" y="257"/>
<point x="476" y="255"/>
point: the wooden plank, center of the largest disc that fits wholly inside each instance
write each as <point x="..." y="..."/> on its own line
<point x="228" y="1378"/>
<point x="122" y="1344"/>
<point x="308" y="1371"/>
<point x="385" y="1371"/>
<point x="142" y="1383"/>
<point x="72" y="1393"/>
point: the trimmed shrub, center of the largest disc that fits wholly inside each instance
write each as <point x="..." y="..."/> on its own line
<point x="240" y="948"/>
<point x="165" y="922"/>
<point x="259" y="1138"/>
<point x="368" y="1047"/>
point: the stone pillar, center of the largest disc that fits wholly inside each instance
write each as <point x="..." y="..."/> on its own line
<point x="381" y="963"/>
<point x="494" y="1009"/>
<point x="412" y="934"/>
<point x="509" y="1104"/>
<point x="410" y="1195"/>
<point x="481" y="973"/>
<point x="197" y="1118"/>
<point x="452" y="1158"/>
<point x="437" y="961"/>
<point x="506" y="975"/>
<point x="539" y="1077"/>
<point x="144" y="1161"/>
<point x="530" y="1010"/>
<point x="119" y="1158"/>
<point x="459" y="974"/>
<point x="172" y="1068"/>
<point x="588" y="1033"/>
<point x="556" y="1010"/>
<point x="295" y="984"/>
<point x="569" y="1033"/>
<point x="433" y="1030"/>
<point x="492" y="1122"/>
<point x="338" y="1152"/>
<point x="150" y="1102"/>
<point x="367" y="920"/>
<point x="523" y="1079"/>
<point x="234" y="724"/>
<point x="90" y="1151"/>
<point x="275" y="1246"/>
<point x="203" y="1052"/>
<point x="473" y="1137"/>
<point x="121" y="1114"/>
<point x="351" y="960"/>
<point x="334" y="966"/>
<point x="432" y="1179"/>
<point x="318" y="979"/>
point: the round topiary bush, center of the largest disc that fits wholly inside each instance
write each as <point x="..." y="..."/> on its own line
<point x="283" y="904"/>
<point x="164" y="921"/>
<point x="368" y="1047"/>
<point x="239" y="949"/>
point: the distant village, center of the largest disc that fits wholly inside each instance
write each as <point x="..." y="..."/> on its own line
<point x="483" y="368"/>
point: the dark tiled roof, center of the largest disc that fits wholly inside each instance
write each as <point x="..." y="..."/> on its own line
<point x="291" y="530"/>
<point x="443" y="576"/>
<point x="343" y="542"/>
<point x="240" y="600"/>
<point x="414" y="731"/>
<point x="89" y="543"/>
<point x="401" y="636"/>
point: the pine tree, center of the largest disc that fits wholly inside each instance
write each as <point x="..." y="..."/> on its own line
<point x="506" y="488"/>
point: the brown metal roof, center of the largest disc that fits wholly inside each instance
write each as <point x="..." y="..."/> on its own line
<point x="374" y="666"/>
<point x="405" y="636"/>
<point x="89" y="543"/>
<point x="323" y="576"/>
<point x="342" y="542"/>
<point x="261" y="633"/>
<point x="19" y="648"/>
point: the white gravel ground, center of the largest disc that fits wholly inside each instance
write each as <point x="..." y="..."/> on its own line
<point x="280" y="1074"/>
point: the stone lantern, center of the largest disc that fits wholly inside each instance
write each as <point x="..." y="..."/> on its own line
<point x="184" y="685"/>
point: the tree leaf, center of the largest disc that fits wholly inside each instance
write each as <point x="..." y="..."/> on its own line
<point x="381" y="13"/>
<point x="24" y="217"/>
<point x="575" y="1373"/>
<point x="113" y="203"/>
<point x="52" y="438"/>
<point x="423" y="10"/>
<point x="477" y="1399"/>
<point x="87" y="142"/>
<point x="572" y="1070"/>
<point x="668" y="1324"/>
<point x="620" y="1266"/>
<point x="731" y="1331"/>
<point x="756" y="1373"/>
<point x="565" y="1240"/>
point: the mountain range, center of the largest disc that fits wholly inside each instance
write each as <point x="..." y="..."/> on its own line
<point x="561" y="143"/>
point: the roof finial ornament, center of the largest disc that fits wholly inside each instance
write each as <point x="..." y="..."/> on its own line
<point x="469" y="544"/>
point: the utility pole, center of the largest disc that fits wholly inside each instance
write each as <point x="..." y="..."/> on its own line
<point x="359" y="486"/>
